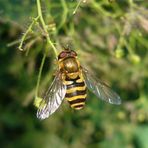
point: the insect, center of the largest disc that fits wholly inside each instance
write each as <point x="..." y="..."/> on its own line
<point x="71" y="82"/>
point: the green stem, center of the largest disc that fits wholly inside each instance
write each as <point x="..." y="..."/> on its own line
<point x="65" y="13"/>
<point x="39" y="75"/>
<point x="26" y="33"/>
<point x="100" y="9"/>
<point x="80" y="1"/>
<point x="44" y="27"/>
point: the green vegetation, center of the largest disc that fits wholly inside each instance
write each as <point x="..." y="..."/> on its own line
<point x="110" y="38"/>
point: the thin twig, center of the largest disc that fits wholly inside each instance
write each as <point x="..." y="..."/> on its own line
<point x="39" y="75"/>
<point x="44" y="27"/>
<point x="26" y="33"/>
<point x="80" y="1"/>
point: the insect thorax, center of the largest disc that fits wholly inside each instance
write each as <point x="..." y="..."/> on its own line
<point x="69" y="65"/>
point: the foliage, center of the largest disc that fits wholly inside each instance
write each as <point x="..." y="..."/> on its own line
<point x="111" y="41"/>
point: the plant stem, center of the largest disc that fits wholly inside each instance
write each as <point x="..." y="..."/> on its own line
<point x="39" y="75"/>
<point x="65" y="13"/>
<point x="26" y="33"/>
<point x="44" y="27"/>
<point x="80" y="1"/>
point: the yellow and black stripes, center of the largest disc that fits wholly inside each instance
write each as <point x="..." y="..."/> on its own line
<point x="76" y="92"/>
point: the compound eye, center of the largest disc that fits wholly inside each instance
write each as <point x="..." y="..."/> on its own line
<point x="73" y="53"/>
<point x="62" y="55"/>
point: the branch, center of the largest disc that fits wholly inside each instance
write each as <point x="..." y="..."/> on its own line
<point x="44" y="27"/>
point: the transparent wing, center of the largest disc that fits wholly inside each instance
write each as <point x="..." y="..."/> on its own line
<point x="100" y="89"/>
<point x="53" y="98"/>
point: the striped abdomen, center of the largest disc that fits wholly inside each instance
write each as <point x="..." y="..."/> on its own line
<point x="76" y="92"/>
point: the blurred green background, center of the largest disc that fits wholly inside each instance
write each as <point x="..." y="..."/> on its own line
<point x="111" y="39"/>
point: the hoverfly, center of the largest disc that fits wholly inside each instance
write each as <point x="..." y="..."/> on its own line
<point x="71" y="82"/>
